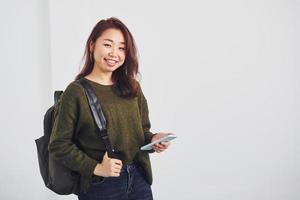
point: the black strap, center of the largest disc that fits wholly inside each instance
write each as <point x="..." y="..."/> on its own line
<point x="97" y="115"/>
<point x="57" y="94"/>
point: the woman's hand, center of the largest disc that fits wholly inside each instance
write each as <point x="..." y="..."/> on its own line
<point x="108" y="167"/>
<point x="160" y="147"/>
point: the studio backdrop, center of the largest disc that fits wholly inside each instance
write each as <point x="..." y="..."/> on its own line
<point x="222" y="75"/>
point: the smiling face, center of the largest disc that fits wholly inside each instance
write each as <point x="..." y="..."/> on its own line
<point x="109" y="50"/>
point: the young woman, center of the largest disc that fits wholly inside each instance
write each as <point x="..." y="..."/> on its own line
<point x="110" y="67"/>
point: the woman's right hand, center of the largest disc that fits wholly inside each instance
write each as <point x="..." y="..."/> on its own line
<point x="108" y="167"/>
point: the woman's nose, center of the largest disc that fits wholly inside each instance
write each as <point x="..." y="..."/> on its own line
<point x="113" y="52"/>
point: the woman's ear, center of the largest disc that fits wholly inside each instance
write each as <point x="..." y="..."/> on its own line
<point x="91" y="46"/>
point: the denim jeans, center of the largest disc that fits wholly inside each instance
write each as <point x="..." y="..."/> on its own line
<point x="130" y="185"/>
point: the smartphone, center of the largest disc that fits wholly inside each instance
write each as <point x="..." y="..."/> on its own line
<point x="163" y="139"/>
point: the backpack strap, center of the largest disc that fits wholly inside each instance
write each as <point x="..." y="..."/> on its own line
<point x="97" y="115"/>
<point x="57" y="94"/>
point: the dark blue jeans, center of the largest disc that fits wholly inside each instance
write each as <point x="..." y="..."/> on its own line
<point x="130" y="185"/>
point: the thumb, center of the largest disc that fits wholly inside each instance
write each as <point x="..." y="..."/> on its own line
<point x="105" y="156"/>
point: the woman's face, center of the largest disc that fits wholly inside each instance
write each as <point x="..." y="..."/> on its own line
<point x="109" y="50"/>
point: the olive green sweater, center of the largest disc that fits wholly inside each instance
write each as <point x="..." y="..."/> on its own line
<point x="128" y="128"/>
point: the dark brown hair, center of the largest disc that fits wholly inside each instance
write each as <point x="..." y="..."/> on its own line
<point x="125" y="76"/>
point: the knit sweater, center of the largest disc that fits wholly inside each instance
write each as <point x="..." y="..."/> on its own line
<point x="128" y="128"/>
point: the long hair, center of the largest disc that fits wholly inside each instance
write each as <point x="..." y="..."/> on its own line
<point x="125" y="76"/>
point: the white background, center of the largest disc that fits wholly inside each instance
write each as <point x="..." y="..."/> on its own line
<point x="222" y="75"/>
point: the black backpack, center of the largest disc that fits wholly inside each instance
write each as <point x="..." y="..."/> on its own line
<point x="56" y="176"/>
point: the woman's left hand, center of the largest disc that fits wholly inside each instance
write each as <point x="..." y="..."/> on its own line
<point x="160" y="147"/>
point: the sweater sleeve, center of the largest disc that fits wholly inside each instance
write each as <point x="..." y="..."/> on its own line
<point x="61" y="146"/>
<point x="144" y="112"/>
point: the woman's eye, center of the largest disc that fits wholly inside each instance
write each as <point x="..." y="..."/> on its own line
<point x="122" y="48"/>
<point x="107" y="45"/>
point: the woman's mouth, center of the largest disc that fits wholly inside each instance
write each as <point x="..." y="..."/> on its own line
<point x="110" y="62"/>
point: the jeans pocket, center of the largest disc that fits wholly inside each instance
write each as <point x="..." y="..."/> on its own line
<point x="97" y="180"/>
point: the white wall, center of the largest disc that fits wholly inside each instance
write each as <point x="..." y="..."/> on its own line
<point x="222" y="75"/>
<point x="25" y="95"/>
